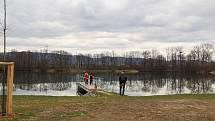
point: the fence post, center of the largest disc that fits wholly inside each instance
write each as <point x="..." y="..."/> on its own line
<point x="9" y="103"/>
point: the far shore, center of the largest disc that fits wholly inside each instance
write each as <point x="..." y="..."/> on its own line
<point x="127" y="71"/>
<point x="75" y="71"/>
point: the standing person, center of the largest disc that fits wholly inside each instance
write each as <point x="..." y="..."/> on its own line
<point x="86" y="77"/>
<point x="122" y="82"/>
<point x="91" y="79"/>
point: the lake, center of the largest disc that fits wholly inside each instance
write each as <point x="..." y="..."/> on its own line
<point x="144" y="84"/>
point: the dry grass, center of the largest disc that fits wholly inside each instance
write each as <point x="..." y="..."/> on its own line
<point x="115" y="108"/>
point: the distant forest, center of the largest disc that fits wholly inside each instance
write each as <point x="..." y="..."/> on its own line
<point x="198" y="60"/>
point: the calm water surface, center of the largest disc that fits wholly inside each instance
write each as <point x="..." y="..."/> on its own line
<point x="26" y="83"/>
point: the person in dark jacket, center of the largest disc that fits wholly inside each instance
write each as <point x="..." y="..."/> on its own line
<point x="122" y="82"/>
<point x="91" y="79"/>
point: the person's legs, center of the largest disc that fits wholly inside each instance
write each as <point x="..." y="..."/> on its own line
<point x="120" y="89"/>
<point x="123" y="89"/>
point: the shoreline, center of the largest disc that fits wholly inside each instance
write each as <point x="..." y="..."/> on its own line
<point x="117" y="71"/>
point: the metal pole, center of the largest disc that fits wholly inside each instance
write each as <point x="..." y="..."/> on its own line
<point x="5" y="27"/>
<point x="4" y="69"/>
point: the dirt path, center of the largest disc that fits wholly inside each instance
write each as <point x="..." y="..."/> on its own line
<point x="139" y="110"/>
<point x="105" y="93"/>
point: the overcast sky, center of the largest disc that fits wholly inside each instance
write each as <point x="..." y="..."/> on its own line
<point x="104" y="25"/>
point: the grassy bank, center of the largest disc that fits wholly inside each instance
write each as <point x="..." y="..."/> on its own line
<point x="114" y="108"/>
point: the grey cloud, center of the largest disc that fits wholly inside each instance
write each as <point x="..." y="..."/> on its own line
<point x="128" y="21"/>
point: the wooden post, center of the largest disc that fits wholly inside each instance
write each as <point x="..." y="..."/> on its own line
<point x="9" y="103"/>
<point x="10" y="74"/>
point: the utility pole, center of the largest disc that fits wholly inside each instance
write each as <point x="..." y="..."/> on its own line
<point x="5" y="28"/>
<point x="4" y="69"/>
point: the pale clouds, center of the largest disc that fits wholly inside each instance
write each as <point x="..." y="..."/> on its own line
<point x="99" y="25"/>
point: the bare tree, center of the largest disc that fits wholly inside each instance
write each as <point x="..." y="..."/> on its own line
<point x="196" y="52"/>
<point x="146" y="56"/>
<point x="207" y="51"/>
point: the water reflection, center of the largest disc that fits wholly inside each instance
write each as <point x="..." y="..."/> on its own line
<point x="26" y="83"/>
<point x="162" y="84"/>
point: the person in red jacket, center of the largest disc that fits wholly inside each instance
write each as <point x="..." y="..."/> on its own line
<point x="86" y="77"/>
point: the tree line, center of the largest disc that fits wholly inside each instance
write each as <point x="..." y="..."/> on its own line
<point x="176" y="59"/>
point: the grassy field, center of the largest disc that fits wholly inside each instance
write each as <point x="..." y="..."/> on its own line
<point x="114" y="108"/>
